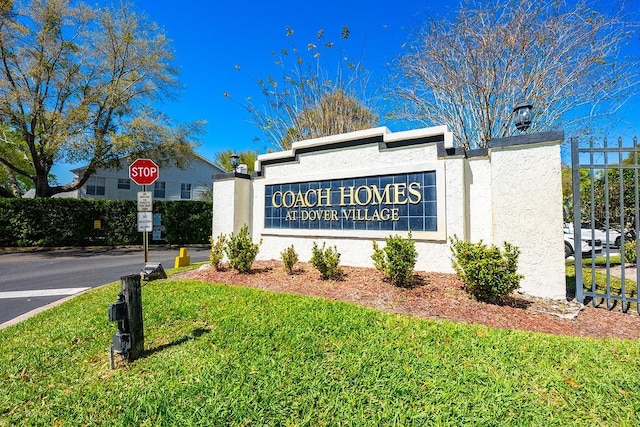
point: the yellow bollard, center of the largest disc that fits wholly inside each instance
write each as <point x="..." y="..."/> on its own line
<point x="183" y="259"/>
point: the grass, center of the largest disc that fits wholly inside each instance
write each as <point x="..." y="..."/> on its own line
<point x="600" y="261"/>
<point x="233" y="356"/>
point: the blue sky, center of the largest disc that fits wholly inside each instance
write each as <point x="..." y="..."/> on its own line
<point x="210" y="37"/>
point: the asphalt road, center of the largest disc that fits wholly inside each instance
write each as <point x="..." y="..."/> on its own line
<point x="30" y="281"/>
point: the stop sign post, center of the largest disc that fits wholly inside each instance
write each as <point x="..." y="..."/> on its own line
<point x="144" y="172"/>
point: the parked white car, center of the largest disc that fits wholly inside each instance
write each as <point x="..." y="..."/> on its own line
<point x="610" y="240"/>
<point x="588" y="246"/>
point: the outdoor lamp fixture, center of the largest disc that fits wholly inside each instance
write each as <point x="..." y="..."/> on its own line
<point x="235" y="161"/>
<point x="522" y="115"/>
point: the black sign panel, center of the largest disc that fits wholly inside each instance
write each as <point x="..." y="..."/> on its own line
<point x="399" y="202"/>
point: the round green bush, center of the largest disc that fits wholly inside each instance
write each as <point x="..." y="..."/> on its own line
<point x="488" y="273"/>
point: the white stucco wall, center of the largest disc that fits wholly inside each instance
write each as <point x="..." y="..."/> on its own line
<point x="527" y="212"/>
<point x="231" y="205"/>
<point x="455" y="209"/>
<point x="479" y="199"/>
<point x="223" y="210"/>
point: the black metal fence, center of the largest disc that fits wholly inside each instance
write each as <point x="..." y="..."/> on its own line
<point x="605" y="208"/>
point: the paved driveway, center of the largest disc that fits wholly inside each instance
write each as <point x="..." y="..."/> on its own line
<point x="31" y="281"/>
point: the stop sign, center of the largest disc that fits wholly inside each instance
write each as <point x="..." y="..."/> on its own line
<point x="143" y="171"/>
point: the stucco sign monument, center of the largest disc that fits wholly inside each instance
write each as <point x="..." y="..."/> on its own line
<point x="348" y="190"/>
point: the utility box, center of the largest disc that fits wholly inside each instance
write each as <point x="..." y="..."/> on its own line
<point x="117" y="311"/>
<point x="127" y="311"/>
<point x="121" y="342"/>
<point x="152" y="272"/>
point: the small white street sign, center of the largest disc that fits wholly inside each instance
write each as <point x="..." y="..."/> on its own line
<point x="145" y="221"/>
<point x="145" y="201"/>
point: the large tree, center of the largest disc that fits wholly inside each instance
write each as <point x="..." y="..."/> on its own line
<point x="78" y="85"/>
<point x="319" y="91"/>
<point x="470" y="70"/>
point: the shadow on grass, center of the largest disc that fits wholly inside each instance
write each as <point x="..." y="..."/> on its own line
<point x="196" y="333"/>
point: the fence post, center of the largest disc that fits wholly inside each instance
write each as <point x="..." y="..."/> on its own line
<point x="132" y="291"/>
<point x="577" y="217"/>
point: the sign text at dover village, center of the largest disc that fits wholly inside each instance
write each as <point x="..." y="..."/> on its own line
<point x="399" y="202"/>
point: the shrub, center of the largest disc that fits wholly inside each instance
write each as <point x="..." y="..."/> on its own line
<point x="43" y="222"/>
<point x="488" y="273"/>
<point x="188" y="223"/>
<point x="326" y="261"/>
<point x="397" y="260"/>
<point x="289" y="259"/>
<point x="217" y="250"/>
<point x="630" y="252"/>
<point x="241" y="251"/>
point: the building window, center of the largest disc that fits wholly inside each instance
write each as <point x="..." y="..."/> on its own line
<point x="159" y="190"/>
<point x="124" y="183"/>
<point x="95" y="186"/>
<point x="185" y="191"/>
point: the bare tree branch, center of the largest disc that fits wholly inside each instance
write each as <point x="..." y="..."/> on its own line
<point x="310" y="99"/>
<point x="469" y="72"/>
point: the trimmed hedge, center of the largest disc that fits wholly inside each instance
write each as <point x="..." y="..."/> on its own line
<point x="51" y="222"/>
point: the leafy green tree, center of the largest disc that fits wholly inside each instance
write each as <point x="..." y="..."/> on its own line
<point x="614" y="194"/>
<point x="469" y="71"/>
<point x="310" y="98"/>
<point x="77" y="85"/>
<point x="12" y="184"/>
<point x="247" y="157"/>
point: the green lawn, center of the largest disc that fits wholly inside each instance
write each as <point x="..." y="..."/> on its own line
<point x="231" y="356"/>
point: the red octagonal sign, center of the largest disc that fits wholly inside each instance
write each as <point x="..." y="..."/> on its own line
<point x="144" y="171"/>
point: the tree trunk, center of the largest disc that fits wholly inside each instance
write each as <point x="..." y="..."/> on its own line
<point x="41" y="184"/>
